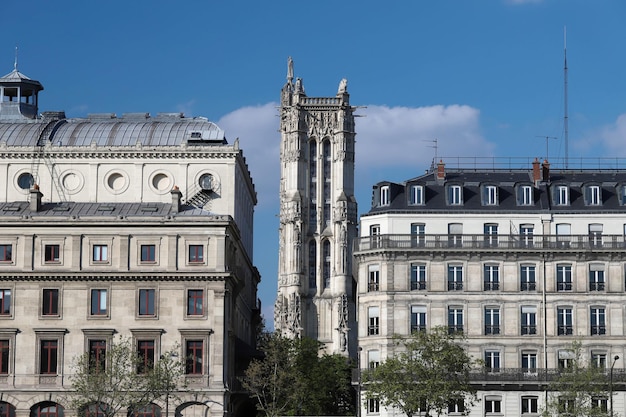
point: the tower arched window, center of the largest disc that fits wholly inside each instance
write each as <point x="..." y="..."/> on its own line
<point x="326" y="267"/>
<point x="313" y="185"/>
<point x="326" y="161"/>
<point x="312" y="264"/>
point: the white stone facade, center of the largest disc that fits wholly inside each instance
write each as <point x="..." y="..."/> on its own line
<point x="133" y="227"/>
<point x="523" y="262"/>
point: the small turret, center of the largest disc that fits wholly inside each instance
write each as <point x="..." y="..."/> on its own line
<point x="18" y="96"/>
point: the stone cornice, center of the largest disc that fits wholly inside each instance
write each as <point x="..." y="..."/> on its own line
<point x="113" y="153"/>
<point x="90" y="276"/>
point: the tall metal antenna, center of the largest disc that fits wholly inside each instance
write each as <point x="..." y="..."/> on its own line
<point x="565" y="117"/>
<point x="547" y="138"/>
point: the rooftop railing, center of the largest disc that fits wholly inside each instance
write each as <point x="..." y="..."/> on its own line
<point x="491" y="242"/>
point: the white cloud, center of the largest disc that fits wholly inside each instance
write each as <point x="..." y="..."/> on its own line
<point x="607" y="140"/>
<point x="516" y="2"/>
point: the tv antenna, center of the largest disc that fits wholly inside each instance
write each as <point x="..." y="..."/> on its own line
<point x="435" y="145"/>
<point x="547" y="138"/>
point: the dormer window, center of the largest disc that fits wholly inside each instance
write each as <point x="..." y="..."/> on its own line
<point x="622" y="195"/>
<point x="455" y="195"/>
<point x="384" y="195"/>
<point x="561" y="195"/>
<point x="525" y="195"/>
<point x="490" y="195"/>
<point x="417" y="195"/>
<point x="593" y="195"/>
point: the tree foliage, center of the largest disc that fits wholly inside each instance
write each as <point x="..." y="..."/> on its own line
<point x="430" y="370"/>
<point x="581" y="389"/>
<point x="294" y="378"/>
<point x="113" y="384"/>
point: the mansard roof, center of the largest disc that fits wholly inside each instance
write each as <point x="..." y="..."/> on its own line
<point x="610" y="183"/>
<point x="108" y="130"/>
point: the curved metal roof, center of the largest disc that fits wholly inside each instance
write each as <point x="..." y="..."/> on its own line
<point x="111" y="131"/>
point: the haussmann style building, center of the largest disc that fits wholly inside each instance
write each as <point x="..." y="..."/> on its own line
<point x="522" y="261"/>
<point x="132" y="226"/>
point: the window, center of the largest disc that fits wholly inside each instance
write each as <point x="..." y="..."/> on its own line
<point x="529" y="361"/>
<point x="373" y="405"/>
<point x="5" y="302"/>
<point x="492" y="320"/>
<point x="527" y="278"/>
<point x="455" y="235"/>
<point x="418" y="236"/>
<point x="565" y="326"/>
<point x="455" y="320"/>
<point x="598" y="321"/>
<point x="326" y="264"/>
<point x="52" y="253"/>
<point x="375" y="235"/>
<point x="493" y="405"/>
<point x="48" y="356"/>
<point x="6" y="253"/>
<point x="47" y="409"/>
<point x="4" y="356"/>
<point x="491" y="234"/>
<point x="563" y="277"/>
<point x="417" y="195"/>
<point x="418" y="318"/>
<point x="595" y="235"/>
<point x="373" y="359"/>
<point x="525" y="195"/>
<point x="455" y="195"/>
<point x="593" y="195"/>
<point x="196" y="253"/>
<point x="195" y="302"/>
<point x="97" y="355"/>
<point x="526" y="232"/>
<point x="599" y="403"/>
<point x="50" y="302"/>
<point x="373" y="321"/>
<point x="148" y="253"/>
<point x="100" y="253"/>
<point x="456" y="406"/>
<point x="492" y="360"/>
<point x="529" y="320"/>
<point x="491" y="277"/>
<point x="99" y="302"/>
<point x="561" y="195"/>
<point x="145" y="352"/>
<point x="418" y="277"/>
<point x="6" y="409"/>
<point x="147" y="302"/>
<point x="563" y="235"/>
<point x="455" y="277"/>
<point x="490" y="195"/>
<point x="598" y="360"/>
<point x="566" y="406"/>
<point x="194" y="357"/>
<point x="373" y="282"/>
<point x="95" y="410"/>
<point x="312" y="264"/>
<point x="150" y="410"/>
<point x="566" y="358"/>
<point x="596" y="277"/>
<point x="384" y="195"/>
<point x="529" y="405"/>
<point x="313" y="159"/>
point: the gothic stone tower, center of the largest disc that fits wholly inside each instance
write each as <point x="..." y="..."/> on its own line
<point x="318" y="216"/>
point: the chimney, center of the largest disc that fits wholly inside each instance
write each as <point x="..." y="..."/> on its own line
<point x="176" y="196"/>
<point x="35" y="198"/>
<point x="546" y="170"/>
<point x="536" y="171"/>
<point x="441" y="172"/>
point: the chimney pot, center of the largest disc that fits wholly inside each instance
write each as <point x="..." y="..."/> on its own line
<point x="441" y="170"/>
<point x="176" y="197"/>
<point x="35" y="198"/>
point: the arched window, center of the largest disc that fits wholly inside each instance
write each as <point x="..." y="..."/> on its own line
<point x="47" y="409"/>
<point x="6" y="409"/>
<point x="312" y="264"/>
<point x="313" y="185"/>
<point x="326" y="271"/>
<point x="327" y="179"/>
<point x="150" y="410"/>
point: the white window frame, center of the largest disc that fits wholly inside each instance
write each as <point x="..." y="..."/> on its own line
<point x="373" y="278"/>
<point x="593" y="195"/>
<point x="418" y="318"/>
<point x="417" y="195"/>
<point x="384" y="195"/>
<point x="562" y="195"/>
<point x="455" y="195"/>
<point x="525" y="195"/>
<point x="373" y="321"/>
<point x="492" y="320"/>
<point x="528" y="320"/>
<point x="490" y="197"/>
<point x="565" y="321"/>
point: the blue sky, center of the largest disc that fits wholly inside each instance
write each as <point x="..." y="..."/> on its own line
<point x="483" y="77"/>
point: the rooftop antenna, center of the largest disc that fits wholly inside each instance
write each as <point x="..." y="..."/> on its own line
<point x="565" y="117"/>
<point x="436" y="147"/>
<point x="547" y="140"/>
<point x="15" y="63"/>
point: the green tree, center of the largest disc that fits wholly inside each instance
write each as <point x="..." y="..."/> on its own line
<point x="580" y="390"/>
<point x="430" y="370"/>
<point x="296" y="378"/>
<point x="112" y="383"/>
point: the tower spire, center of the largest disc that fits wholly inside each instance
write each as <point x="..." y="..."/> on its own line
<point x="15" y="63"/>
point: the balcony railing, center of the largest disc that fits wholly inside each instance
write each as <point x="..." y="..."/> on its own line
<point x="489" y="242"/>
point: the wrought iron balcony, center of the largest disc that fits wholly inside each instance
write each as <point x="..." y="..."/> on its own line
<point x="491" y="242"/>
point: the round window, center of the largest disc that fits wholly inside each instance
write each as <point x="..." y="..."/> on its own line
<point x="25" y="181"/>
<point x="206" y="182"/>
